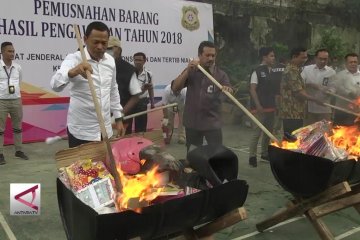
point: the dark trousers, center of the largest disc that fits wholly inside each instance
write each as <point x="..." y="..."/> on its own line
<point x="73" y="141"/>
<point x="289" y="125"/>
<point x="140" y="121"/>
<point x="196" y="137"/>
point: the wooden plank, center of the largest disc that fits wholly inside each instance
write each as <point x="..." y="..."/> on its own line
<point x="336" y="205"/>
<point x="96" y="151"/>
<point x="222" y="222"/>
<point x="320" y="226"/>
<point x="301" y="206"/>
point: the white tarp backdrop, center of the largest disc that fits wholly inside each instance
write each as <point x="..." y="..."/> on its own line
<point x="167" y="31"/>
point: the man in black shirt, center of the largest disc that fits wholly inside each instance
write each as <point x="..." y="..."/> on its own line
<point x="129" y="89"/>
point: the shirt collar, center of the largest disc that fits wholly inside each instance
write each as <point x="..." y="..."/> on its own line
<point x="88" y="57"/>
<point x="4" y="65"/>
<point x="355" y="74"/>
<point x="320" y="69"/>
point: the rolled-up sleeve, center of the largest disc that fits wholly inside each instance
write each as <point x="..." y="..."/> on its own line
<point x="61" y="78"/>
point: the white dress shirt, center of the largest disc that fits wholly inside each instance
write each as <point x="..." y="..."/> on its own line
<point x="10" y="76"/>
<point x="143" y="78"/>
<point x="323" y="77"/>
<point x="134" y="86"/>
<point x="82" y="119"/>
<point x="169" y="97"/>
<point x="347" y="83"/>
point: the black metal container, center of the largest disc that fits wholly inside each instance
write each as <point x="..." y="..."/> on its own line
<point x="305" y="175"/>
<point x="82" y="222"/>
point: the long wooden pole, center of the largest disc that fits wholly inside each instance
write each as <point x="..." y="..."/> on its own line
<point x="342" y="109"/>
<point x="51" y="140"/>
<point x="340" y="97"/>
<point x="100" y="118"/>
<point x="237" y="103"/>
<point x="150" y="110"/>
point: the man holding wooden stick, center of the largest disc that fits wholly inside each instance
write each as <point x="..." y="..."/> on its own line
<point x="347" y="86"/>
<point x="202" y="116"/>
<point x="82" y="122"/>
<point x="293" y="94"/>
<point x="319" y="80"/>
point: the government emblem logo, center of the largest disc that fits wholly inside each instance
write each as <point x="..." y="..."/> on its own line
<point x="190" y="19"/>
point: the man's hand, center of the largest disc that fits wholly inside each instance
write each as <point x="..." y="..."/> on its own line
<point x="147" y="86"/>
<point x="193" y="64"/>
<point x="227" y="89"/>
<point x="80" y="70"/>
<point x="165" y="122"/>
<point x="120" y="129"/>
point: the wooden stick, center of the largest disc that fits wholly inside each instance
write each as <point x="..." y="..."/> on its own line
<point x="237" y="103"/>
<point x="222" y="222"/>
<point x="342" y="109"/>
<point x="51" y="140"/>
<point x="100" y="118"/>
<point x="340" y="97"/>
<point x="150" y="110"/>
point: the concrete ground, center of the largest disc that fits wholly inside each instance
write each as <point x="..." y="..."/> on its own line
<point x="265" y="197"/>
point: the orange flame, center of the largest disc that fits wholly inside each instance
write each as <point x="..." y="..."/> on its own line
<point x="287" y="145"/>
<point x="343" y="137"/>
<point x="346" y="138"/>
<point x="139" y="186"/>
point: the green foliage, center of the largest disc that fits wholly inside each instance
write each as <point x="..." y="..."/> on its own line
<point x="238" y="71"/>
<point x="332" y="41"/>
<point x="281" y="50"/>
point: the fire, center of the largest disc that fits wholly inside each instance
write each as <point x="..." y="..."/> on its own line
<point x="343" y="137"/>
<point x="140" y="186"/>
<point x="287" y="145"/>
<point x="346" y="138"/>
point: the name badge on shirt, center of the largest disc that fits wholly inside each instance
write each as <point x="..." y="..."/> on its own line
<point x="210" y="89"/>
<point x="262" y="74"/>
<point x="325" y="81"/>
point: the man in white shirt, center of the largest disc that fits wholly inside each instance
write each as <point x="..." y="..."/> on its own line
<point x="10" y="99"/>
<point x="319" y="79"/>
<point x="178" y="97"/>
<point x="347" y="85"/>
<point x="82" y="122"/>
<point x="145" y="79"/>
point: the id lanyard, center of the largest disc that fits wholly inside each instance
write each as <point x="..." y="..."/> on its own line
<point x="8" y="74"/>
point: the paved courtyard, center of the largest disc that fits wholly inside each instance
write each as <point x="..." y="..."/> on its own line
<point x="265" y="197"/>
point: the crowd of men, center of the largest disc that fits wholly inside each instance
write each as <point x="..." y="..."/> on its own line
<point x="292" y="92"/>
<point x="304" y="93"/>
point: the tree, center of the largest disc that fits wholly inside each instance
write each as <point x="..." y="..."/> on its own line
<point x="331" y="40"/>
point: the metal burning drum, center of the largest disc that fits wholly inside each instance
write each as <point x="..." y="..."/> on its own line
<point x="174" y="216"/>
<point x="305" y="175"/>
